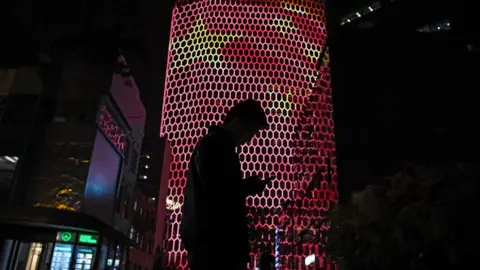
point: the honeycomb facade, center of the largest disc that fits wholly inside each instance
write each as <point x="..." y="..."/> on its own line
<point x="222" y="52"/>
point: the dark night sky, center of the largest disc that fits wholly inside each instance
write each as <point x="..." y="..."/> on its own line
<point x="398" y="95"/>
<point x="401" y="97"/>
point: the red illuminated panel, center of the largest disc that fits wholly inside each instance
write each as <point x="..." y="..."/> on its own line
<point x="111" y="129"/>
<point x="222" y="52"/>
<point x="315" y="187"/>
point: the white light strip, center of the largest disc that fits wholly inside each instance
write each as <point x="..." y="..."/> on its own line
<point x="10" y="159"/>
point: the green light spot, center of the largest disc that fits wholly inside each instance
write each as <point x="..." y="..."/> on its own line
<point x="88" y="239"/>
<point x="66" y="236"/>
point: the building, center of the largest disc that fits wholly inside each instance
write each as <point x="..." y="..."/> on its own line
<point x="221" y="53"/>
<point x="394" y="67"/>
<point x="147" y="58"/>
<point x="143" y="232"/>
<point x="149" y="170"/>
<point x="74" y="130"/>
<point x="425" y="16"/>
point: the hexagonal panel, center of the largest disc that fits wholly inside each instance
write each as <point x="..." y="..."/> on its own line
<point x="222" y="52"/>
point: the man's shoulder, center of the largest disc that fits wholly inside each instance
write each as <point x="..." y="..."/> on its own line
<point x="211" y="140"/>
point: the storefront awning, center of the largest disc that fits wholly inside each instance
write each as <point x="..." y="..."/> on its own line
<point x="13" y="220"/>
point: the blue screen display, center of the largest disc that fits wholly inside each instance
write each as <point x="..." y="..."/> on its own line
<point x="101" y="187"/>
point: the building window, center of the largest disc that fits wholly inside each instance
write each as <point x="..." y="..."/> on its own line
<point x="132" y="233"/>
<point x="7" y="173"/>
<point x="135" y="205"/>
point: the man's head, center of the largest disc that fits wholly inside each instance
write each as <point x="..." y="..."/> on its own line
<point x="245" y="120"/>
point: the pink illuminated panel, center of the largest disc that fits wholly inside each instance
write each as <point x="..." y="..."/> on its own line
<point x="222" y="52"/>
<point x="111" y="129"/>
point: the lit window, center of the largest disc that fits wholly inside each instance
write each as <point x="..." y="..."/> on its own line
<point x="135" y="205"/>
<point x="309" y="260"/>
<point x="146" y="166"/>
<point x="132" y="233"/>
<point x="172" y="205"/>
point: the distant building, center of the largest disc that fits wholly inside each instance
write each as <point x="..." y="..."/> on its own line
<point x="142" y="232"/>
<point x="403" y="74"/>
<point x="71" y="134"/>
<point x="406" y="14"/>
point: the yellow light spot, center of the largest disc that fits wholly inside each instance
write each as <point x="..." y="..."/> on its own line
<point x="209" y="44"/>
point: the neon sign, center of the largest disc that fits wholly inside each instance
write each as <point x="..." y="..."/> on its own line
<point x="66" y="237"/>
<point x="112" y="130"/>
<point x="88" y="239"/>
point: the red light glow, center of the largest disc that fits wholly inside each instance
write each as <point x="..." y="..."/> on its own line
<point x="222" y="52"/>
<point x="111" y="129"/>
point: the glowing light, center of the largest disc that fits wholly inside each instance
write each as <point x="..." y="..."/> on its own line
<point x="11" y="159"/>
<point x="172" y="205"/>
<point x="88" y="239"/>
<point x="222" y="52"/>
<point x="277" y="248"/>
<point x="209" y="44"/>
<point x="111" y="129"/>
<point x="310" y="259"/>
<point x="66" y="236"/>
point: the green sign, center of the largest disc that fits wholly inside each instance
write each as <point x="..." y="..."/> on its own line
<point x="88" y="239"/>
<point x="66" y="236"/>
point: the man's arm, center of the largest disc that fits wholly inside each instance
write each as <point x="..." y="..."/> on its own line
<point x="254" y="185"/>
<point x="216" y="169"/>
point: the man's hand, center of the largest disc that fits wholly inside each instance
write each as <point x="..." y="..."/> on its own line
<point x="256" y="185"/>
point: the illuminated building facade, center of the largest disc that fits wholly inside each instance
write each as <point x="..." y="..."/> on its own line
<point x="222" y="52"/>
<point x="85" y="130"/>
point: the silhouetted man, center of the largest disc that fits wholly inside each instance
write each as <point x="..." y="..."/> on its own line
<point x="214" y="229"/>
<point x="267" y="261"/>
